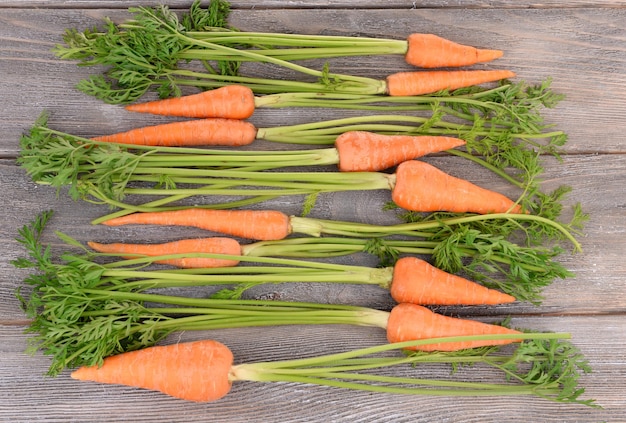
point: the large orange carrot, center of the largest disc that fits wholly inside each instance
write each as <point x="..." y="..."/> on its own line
<point x="417" y="282"/>
<point x="432" y="51"/>
<point x="422" y="187"/>
<point x="253" y="224"/>
<point x="194" y="371"/>
<point x="216" y="131"/>
<point x="361" y="151"/>
<point x="219" y="245"/>
<point x="418" y="83"/>
<point x="413" y="322"/>
<point x="231" y="101"/>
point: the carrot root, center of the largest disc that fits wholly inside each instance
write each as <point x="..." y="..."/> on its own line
<point x="216" y="131"/>
<point x="362" y="151"/>
<point x="416" y="281"/>
<point x="218" y="245"/>
<point x="424" y="188"/>
<point x="261" y="225"/>
<point x="231" y="102"/>
<point x="418" y="83"/>
<point x="194" y="371"/>
<point x="432" y="51"/>
<point x="409" y="322"/>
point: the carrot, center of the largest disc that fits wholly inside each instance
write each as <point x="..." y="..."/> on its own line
<point x="422" y="187"/>
<point x="431" y="51"/>
<point x="231" y="101"/>
<point x="219" y="245"/>
<point x="416" y="281"/>
<point x="368" y="151"/>
<point x="417" y="83"/>
<point x="253" y="224"/>
<point x="413" y="322"/>
<point x="216" y="131"/>
<point x="194" y="371"/>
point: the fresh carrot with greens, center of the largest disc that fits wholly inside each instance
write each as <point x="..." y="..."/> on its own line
<point x="410" y="280"/>
<point x="204" y="371"/>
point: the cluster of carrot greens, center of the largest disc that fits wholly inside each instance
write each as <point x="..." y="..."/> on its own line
<point x="112" y="299"/>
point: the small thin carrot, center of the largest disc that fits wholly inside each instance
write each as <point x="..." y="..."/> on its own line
<point x="253" y="224"/>
<point x="413" y="322"/>
<point x="215" y="131"/>
<point x="432" y="51"/>
<point x="217" y="245"/>
<point x="422" y="187"/>
<point x="418" y="83"/>
<point x="231" y="101"/>
<point x="364" y="151"/>
<point x="416" y="281"/>
<point x="194" y="371"/>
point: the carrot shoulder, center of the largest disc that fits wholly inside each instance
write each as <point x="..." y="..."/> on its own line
<point x="409" y="322"/>
<point x="253" y="224"/>
<point x="424" y="188"/>
<point x="418" y="83"/>
<point x="218" y="245"/>
<point x="363" y="151"/>
<point x="416" y="281"/>
<point x="193" y="371"/>
<point x="216" y="131"/>
<point x="432" y="51"/>
<point x="231" y="101"/>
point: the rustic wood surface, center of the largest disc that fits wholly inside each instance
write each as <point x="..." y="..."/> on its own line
<point x="579" y="44"/>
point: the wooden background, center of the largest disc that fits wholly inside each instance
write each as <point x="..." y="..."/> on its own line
<point x="581" y="44"/>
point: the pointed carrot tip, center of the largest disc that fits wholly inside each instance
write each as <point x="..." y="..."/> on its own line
<point x="488" y="55"/>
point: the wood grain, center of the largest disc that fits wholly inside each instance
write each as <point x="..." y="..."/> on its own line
<point x="579" y="44"/>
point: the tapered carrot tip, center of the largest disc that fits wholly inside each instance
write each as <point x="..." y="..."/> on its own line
<point x="431" y="51"/>
<point x="216" y="245"/>
<point x="422" y="187"/>
<point x="416" y="281"/>
<point x="231" y="101"/>
<point x="193" y="371"/>
<point x="364" y="151"/>
<point x="408" y="322"/>
<point x="427" y="82"/>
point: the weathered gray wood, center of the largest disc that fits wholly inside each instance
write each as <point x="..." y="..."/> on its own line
<point x="319" y="4"/>
<point x="26" y="395"/>
<point x="578" y="43"/>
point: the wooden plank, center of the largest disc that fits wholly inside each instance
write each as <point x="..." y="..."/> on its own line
<point x="535" y="49"/>
<point x="28" y="396"/>
<point x="316" y="4"/>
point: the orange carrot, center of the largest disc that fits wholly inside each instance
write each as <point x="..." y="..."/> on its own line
<point x="218" y="245"/>
<point x="231" y="101"/>
<point x="418" y="83"/>
<point x="413" y="322"/>
<point x="194" y="371"/>
<point x="415" y="281"/>
<point x="431" y="51"/>
<point x="422" y="187"/>
<point x="216" y="131"/>
<point x="361" y="151"/>
<point x="253" y="224"/>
